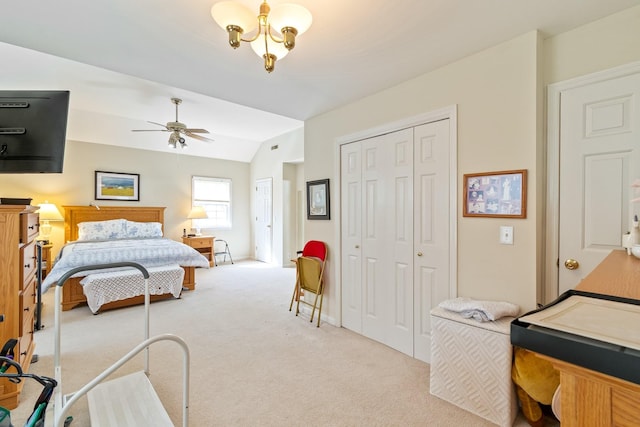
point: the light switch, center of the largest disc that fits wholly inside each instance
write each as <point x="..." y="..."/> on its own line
<point x="506" y="235"/>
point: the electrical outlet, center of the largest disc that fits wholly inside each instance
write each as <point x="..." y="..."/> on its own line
<point x="506" y="235"/>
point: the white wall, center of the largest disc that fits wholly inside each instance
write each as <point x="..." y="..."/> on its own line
<point x="165" y="180"/>
<point x="269" y="163"/>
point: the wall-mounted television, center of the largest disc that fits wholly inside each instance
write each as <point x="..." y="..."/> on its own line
<point x="33" y="130"/>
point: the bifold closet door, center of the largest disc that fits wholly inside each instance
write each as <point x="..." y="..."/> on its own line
<point x="377" y="227"/>
<point x="395" y="227"/>
<point x="351" y="234"/>
<point x="432" y="224"/>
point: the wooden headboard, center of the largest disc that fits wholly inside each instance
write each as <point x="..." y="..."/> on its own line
<point x="73" y="215"/>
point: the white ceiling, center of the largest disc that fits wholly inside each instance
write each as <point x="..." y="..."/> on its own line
<point x="124" y="59"/>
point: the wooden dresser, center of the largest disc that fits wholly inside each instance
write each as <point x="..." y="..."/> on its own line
<point x="18" y="231"/>
<point x="590" y="398"/>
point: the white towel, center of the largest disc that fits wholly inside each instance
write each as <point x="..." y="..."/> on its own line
<point x="482" y="311"/>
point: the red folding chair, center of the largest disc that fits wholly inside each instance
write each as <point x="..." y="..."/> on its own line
<point x="310" y="276"/>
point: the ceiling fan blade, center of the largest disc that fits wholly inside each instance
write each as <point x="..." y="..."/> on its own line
<point x="155" y="123"/>
<point x="196" y="130"/>
<point x="152" y="130"/>
<point x="199" y="137"/>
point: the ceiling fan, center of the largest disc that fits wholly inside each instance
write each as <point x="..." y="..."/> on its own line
<point x="177" y="129"/>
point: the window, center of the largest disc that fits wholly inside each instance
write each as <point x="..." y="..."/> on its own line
<point x="214" y="195"/>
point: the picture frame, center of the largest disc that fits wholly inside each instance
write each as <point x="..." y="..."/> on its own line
<point x="495" y="194"/>
<point x="117" y="186"/>
<point x="318" y="206"/>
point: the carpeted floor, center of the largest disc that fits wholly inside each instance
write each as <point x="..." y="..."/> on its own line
<point x="253" y="363"/>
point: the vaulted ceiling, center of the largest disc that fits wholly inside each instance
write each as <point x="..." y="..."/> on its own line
<point x="124" y="59"/>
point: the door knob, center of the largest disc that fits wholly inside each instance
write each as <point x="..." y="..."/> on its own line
<point x="571" y="264"/>
<point x="357" y="246"/>
<point x="419" y="254"/>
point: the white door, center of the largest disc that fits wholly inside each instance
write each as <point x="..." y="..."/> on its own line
<point x="387" y="241"/>
<point x="264" y="213"/>
<point x="395" y="235"/>
<point x="600" y="158"/>
<point x="351" y="233"/>
<point x="432" y="224"/>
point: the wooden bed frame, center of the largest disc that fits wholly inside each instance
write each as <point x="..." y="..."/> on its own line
<point x="72" y="294"/>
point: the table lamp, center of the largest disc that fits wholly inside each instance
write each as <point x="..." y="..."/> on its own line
<point x="197" y="212"/>
<point x="48" y="212"/>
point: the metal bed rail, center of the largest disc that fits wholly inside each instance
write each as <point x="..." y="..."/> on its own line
<point x="60" y="407"/>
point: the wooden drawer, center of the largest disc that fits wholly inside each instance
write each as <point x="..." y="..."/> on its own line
<point x="24" y="346"/>
<point x="29" y="227"/>
<point x="27" y="308"/>
<point x="201" y="242"/>
<point x="28" y="260"/>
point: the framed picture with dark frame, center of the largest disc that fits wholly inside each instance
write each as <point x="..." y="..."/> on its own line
<point x="318" y="199"/>
<point x="496" y="194"/>
<point x="117" y="186"/>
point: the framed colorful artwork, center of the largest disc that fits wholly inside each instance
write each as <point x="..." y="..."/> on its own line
<point x="117" y="186"/>
<point x="496" y="194"/>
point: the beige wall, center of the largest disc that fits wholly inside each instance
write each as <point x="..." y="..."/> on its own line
<point x="496" y="94"/>
<point x="603" y="44"/>
<point x="165" y="180"/>
<point x="500" y="97"/>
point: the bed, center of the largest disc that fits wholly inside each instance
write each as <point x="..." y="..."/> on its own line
<point x="143" y="250"/>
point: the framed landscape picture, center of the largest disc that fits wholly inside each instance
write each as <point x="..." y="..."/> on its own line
<point x="117" y="186"/>
<point x="496" y="194"/>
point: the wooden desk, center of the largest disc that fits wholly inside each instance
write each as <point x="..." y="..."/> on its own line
<point x="589" y="398"/>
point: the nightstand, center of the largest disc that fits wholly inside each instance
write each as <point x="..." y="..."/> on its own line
<point x="202" y="244"/>
<point x="47" y="262"/>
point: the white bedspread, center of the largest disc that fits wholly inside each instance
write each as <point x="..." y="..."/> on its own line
<point x="102" y="288"/>
<point x="147" y="252"/>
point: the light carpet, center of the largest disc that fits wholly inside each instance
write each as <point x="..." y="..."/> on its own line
<point x="253" y="362"/>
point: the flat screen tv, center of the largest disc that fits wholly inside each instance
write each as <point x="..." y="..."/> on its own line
<point x="33" y="130"/>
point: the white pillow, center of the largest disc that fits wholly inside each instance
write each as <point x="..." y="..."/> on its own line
<point x="102" y="230"/>
<point x="143" y="229"/>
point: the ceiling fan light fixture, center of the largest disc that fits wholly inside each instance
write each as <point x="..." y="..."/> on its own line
<point x="177" y="130"/>
<point x="277" y="29"/>
<point x="173" y="140"/>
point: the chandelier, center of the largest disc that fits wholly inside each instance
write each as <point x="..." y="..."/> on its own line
<point x="275" y="29"/>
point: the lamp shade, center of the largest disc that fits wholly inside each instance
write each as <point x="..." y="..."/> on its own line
<point x="49" y="212"/>
<point x="228" y="13"/>
<point x="290" y="15"/>
<point x="197" y="212"/>
<point x="276" y="49"/>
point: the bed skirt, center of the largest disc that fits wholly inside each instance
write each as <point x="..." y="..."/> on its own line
<point x="102" y="288"/>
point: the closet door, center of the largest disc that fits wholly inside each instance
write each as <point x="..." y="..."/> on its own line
<point x="395" y="200"/>
<point x="387" y="239"/>
<point x="394" y="295"/>
<point x="432" y="222"/>
<point x="351" y="232"/>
